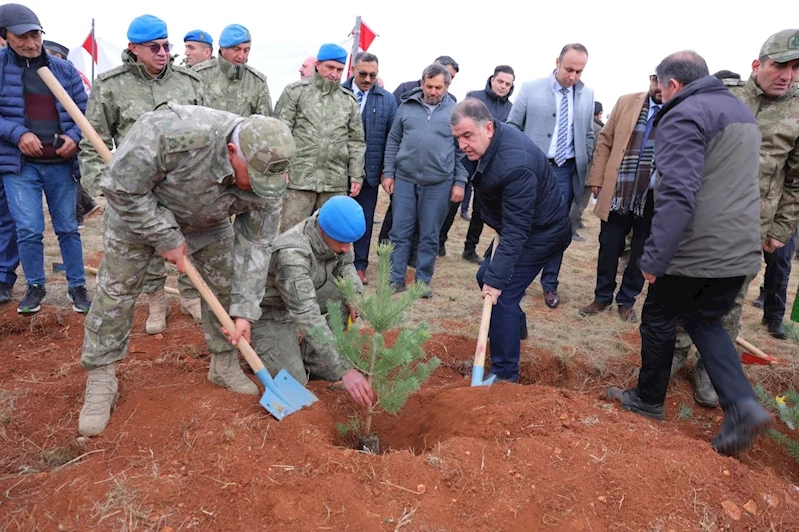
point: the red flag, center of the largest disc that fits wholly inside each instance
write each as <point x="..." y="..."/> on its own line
<point x="366" y="38"/>
<point x="87" y="45"/>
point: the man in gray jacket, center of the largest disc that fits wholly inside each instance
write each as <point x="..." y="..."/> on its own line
<point x="423" y="172"/>
<point x="556" y="112"/>
<point x="705" y="239"/>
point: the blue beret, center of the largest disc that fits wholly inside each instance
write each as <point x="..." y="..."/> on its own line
<point x="233" y="35"/>
<point x="146" y="28"/>
<point x="332" y="52"/>
<point x="342" y="219"/>
<point x="198" y="36"/>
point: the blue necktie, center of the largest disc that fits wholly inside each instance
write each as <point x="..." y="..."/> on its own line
<point x="649" y="124"/>
<point x="359" y="95"/>
<point x="563" y="125"/>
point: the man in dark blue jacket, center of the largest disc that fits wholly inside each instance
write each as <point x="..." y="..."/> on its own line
<point x="521" y="201"/>
<point x="38" y="143"/>
<point x="378" y="109"/>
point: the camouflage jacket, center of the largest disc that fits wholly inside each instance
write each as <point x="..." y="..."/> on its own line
<point x="779" y="157"/>
<point x="235" y="89"/>
<point x="325" y="120"/>
<point x="171" y="181"/>
<point x="120" y="96"/>
<point x="301" y="278"/>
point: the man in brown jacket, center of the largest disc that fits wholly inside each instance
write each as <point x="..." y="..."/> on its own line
<point x="622" y="176"/>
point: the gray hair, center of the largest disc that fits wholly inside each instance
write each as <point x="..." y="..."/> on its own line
<point x="234" y="139"/>
<point x="365" y="57"/>
<point x="470" y="108"/>
<point x="686" y="66"/>
<point x="572" y="46"/>
<point x="437" y="69"/>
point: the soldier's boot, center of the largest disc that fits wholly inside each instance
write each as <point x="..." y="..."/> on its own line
<point x="100" y="398"/>
<point x="156" y="319"/>
<point x="226" y="372"/>
<point x="704" y="393"/>
<point x="679" y="359"/>
<point x="192" y="307"/>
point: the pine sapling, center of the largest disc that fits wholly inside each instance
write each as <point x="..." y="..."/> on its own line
<point x="786" y="408"/>
<point x="393" y="372"/>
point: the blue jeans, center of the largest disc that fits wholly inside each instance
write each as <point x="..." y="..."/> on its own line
<point x="24" y="194"/>
<point x="507" y="318"/>
<point x="367" y="199"/>
<point x="467" y="197"/>
<point x="9" y="254"/>
<point x="428" y="204"/>
<point x="549" y="275"/>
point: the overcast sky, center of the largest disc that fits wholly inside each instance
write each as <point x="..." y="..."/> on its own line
<point x="625" y="39"/>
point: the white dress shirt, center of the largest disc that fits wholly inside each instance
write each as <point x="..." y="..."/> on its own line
<point x="553" y="146"/>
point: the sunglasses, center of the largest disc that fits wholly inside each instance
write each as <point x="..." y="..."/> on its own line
<point x="370" y="75"/>
<point x="155" y="47"/>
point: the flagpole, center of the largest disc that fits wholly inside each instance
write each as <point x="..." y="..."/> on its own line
<point x="94" y="52"/>
<point x="355" y="42"/>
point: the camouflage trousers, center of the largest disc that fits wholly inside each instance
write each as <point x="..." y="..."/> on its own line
<point x="275" y="339"/>
<point x="730" y="321"/>
<point x="300" y="204"/>
<point x="120" y="280"/>
<point x="155" y="280"/>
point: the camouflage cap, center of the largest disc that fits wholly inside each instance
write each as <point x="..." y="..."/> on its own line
<point x="782" y="47"/>
<point x="268" y="147"/>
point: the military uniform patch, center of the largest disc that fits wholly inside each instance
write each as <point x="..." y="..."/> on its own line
<point x="186" y="142"/>
<point x="304" y="290"/>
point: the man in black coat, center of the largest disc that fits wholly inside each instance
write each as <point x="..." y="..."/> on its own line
<point x="522" y="202"/>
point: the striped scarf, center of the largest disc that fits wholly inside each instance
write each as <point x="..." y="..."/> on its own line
<point x="635" y="170"/>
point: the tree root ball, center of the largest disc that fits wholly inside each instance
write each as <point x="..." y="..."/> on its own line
<point x="369" y="444"/>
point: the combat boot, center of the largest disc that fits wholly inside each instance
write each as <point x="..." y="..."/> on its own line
<point x="678" y="360"/>
<point x="704" y="393"/>
<point x="226" y="372"/>
<point x="100" y="398"/>
<point x="192" y="307"/>
<point x="156" y="319"/>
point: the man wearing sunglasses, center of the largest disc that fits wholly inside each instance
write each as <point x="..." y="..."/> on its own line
<point x="229" y="82"/>
<point x="325" y="119"/>
<point x="378" y="108"/>
<point x="146" y="78"/>
<point x="172" y="186"/>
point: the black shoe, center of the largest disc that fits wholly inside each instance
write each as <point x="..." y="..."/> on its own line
<point x="760" y="301"/>
<point x="775" y="329"/>
<point x="80" y="301"/>
<point x="397" y="287"/>
<point x="743" y="422"/>
<point x="472" y="256"/>
<point x="523" y="333"/>
<point x="630" y="401"/>
<point x="5" y="293"/>
<point x="442" y="251"/>
<point x="32" y="301"/>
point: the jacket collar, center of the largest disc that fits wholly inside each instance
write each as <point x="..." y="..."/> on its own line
<point x="230" y="70"/>
<point x="376" y="89"/>
<point x="324" y="85"/>
<point x="138" y="70"/>
<point x="485" y="160"/>
<point x="318" y="244"/>
<point x="700" y="86"/>
<point x="42" y="60"/>
<point x="578" y="87"/>
<point x="493" y="96"/>
<point x="754" y="89"/>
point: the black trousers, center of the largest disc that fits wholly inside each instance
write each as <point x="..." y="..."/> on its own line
<point x="475" y="225"/>
<point x="85" y="202"/>
<point x="699" y="304"/>
<point x="775" y="282"/>
<point x="612" y="236"/>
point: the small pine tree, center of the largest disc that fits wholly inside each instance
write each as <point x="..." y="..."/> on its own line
<point x="393" y="372"/>
<point x="787" y="411"/>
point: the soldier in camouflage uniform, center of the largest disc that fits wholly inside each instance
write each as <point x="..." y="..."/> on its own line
<point x="305" y="262"/>
<point x="199" y="47"/>
<point x="770" y="92"/>
<point x="230" y="83"/>
<point x="325" y="120"/>
<point x="172" y="186"/>
<point x="119" y="97"/>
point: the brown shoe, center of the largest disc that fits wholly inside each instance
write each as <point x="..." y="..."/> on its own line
<point x="362" y="277"/>
<point x="551" y="299"/>
<point x="628" y="314"/>
<point x="594" y="308"/>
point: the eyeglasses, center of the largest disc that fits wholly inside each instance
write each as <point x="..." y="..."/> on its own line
<point x="370" y="75"/>
<point x="155" y="47"/>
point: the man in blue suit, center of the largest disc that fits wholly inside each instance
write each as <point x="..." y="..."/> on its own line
<point x="557" y="113"/>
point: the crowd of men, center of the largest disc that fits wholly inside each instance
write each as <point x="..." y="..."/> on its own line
<point x="272" y="204"/>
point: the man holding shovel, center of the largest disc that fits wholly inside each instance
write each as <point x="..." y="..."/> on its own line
<point x="522" y="202"/>
<point x="305" y="261"/>
<point x="172" y="186"/>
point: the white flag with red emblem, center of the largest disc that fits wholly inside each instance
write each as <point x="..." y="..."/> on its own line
<point x="103" y="54"/>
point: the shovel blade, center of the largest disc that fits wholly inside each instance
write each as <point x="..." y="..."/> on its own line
<point x="283" y="395"/>
<point x="477" y="377"/>
<point x="748" y="358"/>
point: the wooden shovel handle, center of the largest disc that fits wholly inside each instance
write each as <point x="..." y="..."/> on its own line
<point x="216" y="307"/>
<point x="485" y="321"/>
<point x="75" y="113"/>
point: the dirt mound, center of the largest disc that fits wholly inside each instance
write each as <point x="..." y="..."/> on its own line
<point x="181" y="453"/>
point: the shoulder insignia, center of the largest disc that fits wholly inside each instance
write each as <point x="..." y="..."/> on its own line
<point x="186" y="71"/>
<point x="121" y="69"/>
<point x="260" y="75"/>
<point x="186" y="142"/>
<point x="349" y="93"/>
<point x="205" y="65"/>
<point x="732" y="82"/>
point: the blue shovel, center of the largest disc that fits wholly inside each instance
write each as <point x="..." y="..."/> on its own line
<point x="283" y="395"/>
